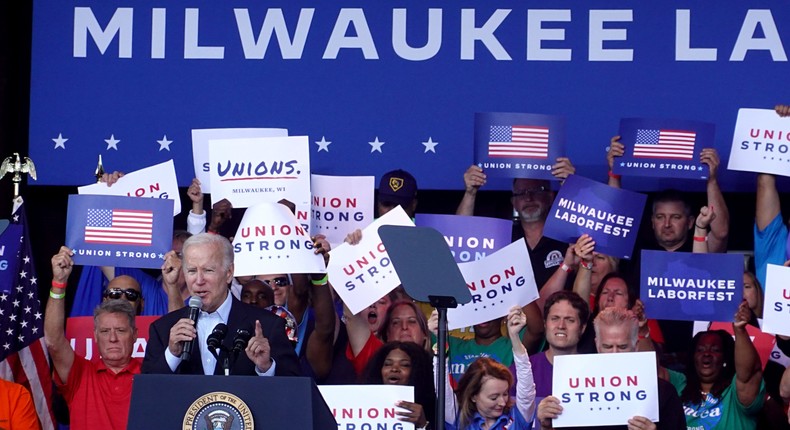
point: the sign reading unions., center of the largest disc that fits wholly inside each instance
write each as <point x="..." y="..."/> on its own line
<point x="264" y="169"/>
<point x="364" y="80"/>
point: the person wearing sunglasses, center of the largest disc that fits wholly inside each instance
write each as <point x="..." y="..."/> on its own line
<point x="257" y="293"/>
<point x="127" y="288"/>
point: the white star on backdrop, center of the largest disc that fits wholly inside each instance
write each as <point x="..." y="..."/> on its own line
<point x="164" y="143"/>
<point x="112" y="142"/>
<point x="323" y="144"/>
<point x="376" y="145"/>
<point x="430" y="145"/>
<point x="60" y="141"/>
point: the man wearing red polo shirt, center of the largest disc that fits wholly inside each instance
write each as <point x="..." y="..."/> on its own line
<point x="98" y="393"/>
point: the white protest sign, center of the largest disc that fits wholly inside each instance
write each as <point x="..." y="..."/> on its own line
<point x="363" y="273"/>
<point x="270" y="240"/>
<point x="497" y="283"/>
<point x="158" y="181"/>
<point x="605" y="389"/>
<point x="776" y="305"/>
<point x="367" y="406"/>
<point x="255" y="170"/>
<point x="340" y="204"/>
<point x="201" y="138"/>
<point x="761" y="142"/>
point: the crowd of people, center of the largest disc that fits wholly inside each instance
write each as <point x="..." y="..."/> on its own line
<point x="501" y="378"/>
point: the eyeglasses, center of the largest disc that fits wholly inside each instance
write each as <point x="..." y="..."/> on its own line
<point x="282" y="281"/>
<point x="116" y="293"/>
<point x="530" y="192"/>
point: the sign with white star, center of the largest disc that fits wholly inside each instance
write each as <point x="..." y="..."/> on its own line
<point x="158" y="181"/>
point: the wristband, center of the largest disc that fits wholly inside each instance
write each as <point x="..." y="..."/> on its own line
<point x="320" y="282"/>
<point x="58" y="284"/>
<point x="586" y="265"/>
<point x="55" y="295"/>
<point x="701" y="228"/>
<point x="700" y="238"/>
<point x="565" y="268"/>
<point x="614" y="175"/>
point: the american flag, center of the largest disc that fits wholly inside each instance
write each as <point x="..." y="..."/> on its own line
<point x="119" y="227"/>
<point x="23" y="354"/>
<point x="519" y="141"/>
<point x="677" y="144"/>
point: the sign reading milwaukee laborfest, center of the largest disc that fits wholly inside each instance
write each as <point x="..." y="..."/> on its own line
<point x="609" y="215"/>
<point x="685" y="286"/>
<point x="378" y="86"/>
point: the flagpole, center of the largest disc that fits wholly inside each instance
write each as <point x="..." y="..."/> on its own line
<point x="17" y="165"/>
<point x="99" y="171"/>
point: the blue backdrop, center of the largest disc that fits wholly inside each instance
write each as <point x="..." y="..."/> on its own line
<point x="130" y="80"/>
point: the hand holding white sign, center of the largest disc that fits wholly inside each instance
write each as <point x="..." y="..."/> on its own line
<point x="158" y="181"/>
<point x="363" y="273"/>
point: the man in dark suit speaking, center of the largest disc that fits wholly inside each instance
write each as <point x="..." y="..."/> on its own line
<point x="208" y="270"/>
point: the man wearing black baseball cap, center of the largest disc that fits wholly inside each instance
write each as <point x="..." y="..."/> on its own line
<point x="397" y="187"/>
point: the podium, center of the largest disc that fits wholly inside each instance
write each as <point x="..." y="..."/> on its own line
<point x="227" y="402"/>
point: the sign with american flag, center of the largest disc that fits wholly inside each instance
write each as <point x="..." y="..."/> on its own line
<point x="23" y="354"/>
<point x="518" y="145"/>
<point x="664" y="148"/>
<point x="119" y="231"/>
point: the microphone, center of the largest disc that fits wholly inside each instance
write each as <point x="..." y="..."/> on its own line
<point x="214" y="340"/>
<point x="240" y="341"/>
<point x="194" y="312"/>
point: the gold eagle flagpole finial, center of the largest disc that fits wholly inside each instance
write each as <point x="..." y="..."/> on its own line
<point x="17" y="165"/>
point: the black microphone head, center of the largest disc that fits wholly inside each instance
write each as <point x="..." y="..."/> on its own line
<point x="217" y="335"/>
<point x="240" y="341"/>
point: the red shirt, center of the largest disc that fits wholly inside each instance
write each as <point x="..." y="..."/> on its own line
<point x="361" y="360"/>
<point x="97" y="397"/>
